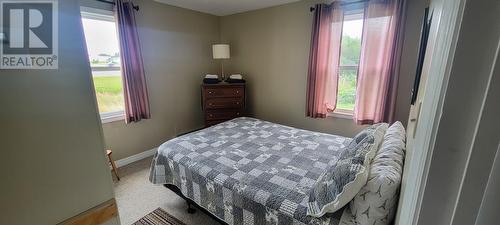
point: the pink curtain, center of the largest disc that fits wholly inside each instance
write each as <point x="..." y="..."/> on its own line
<point x="378" y="67"/>
<point x="324" y="57"/>
<point x="134" y="80"/>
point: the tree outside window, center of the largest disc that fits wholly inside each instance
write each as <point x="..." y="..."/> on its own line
<point x="349" y="62"/>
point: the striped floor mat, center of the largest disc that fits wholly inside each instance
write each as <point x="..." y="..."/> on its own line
<point x="158" y="217"/>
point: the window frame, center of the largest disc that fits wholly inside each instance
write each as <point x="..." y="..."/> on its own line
<point x="104" y="15"/>
<point x="345" y="113"/>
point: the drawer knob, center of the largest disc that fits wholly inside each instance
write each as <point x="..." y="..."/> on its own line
<point x="237" y="103"/>
<point x="237" y="92"/>
<point x="237" y="114"/>
<point x="210" y="104"/>
<point x="211" y="115"/>
<point x="210" y="92"/>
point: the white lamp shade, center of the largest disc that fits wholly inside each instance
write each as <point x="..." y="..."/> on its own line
<point x="220" y="51"/>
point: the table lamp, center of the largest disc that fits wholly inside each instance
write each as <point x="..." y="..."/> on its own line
<point x="221" y="51"/>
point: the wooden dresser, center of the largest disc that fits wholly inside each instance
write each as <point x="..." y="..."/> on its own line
<point x="222" y="102"/>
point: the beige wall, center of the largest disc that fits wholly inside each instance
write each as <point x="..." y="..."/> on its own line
<point x="52" y="165"/>
<point x="407" y="69"/>
<point x="271" y="48"/>
<point x="176" y="45"/>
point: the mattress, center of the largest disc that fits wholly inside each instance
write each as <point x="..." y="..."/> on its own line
<point x="249" y="171"/>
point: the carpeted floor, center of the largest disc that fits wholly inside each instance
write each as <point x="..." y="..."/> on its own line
<point x="136" y="197"/>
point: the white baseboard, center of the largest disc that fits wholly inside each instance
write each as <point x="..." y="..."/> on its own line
<point x="135" y="158"/>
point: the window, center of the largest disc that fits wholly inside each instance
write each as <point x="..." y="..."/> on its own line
<point x="104" y="56"/>
<point x="349" y="62"/>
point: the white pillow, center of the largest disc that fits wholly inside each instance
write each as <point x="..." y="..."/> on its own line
<point x="342" y="181"/>
<point x="375" y="204"/>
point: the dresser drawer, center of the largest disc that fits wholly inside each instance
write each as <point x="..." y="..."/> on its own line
<point x="209" y="123"/>
<point x="223" y="92"/>
<point x="224" y="103"/>
<point x="221" y="115"/>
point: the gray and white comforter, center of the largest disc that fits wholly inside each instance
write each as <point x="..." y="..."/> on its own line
<point x="249" y="171"/>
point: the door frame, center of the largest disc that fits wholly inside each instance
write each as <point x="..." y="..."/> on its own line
<point x="446" y="20"/>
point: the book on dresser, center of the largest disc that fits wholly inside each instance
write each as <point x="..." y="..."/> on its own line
<point x="222" y="102"/>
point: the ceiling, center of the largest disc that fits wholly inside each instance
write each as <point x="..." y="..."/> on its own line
<point x="224" y="7"/>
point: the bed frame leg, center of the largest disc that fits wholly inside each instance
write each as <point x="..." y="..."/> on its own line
<point x="190" y="208"/>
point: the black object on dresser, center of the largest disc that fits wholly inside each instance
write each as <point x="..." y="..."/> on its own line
<point x="222" y="102"/>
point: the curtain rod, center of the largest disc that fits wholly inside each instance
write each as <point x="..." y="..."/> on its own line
<point x="136" y="7"/>
<point x="311" y="9"/>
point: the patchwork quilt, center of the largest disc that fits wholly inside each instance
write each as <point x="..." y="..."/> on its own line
<point x="249" y="171"/>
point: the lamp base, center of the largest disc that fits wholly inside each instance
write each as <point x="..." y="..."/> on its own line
<point x="222" y="70"/>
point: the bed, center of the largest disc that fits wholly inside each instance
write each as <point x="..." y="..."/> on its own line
<point x="249" y="171"/>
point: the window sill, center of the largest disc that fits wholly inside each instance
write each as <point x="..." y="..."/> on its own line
<point x="112" y="116"/>
<point x="342" y="115"/>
